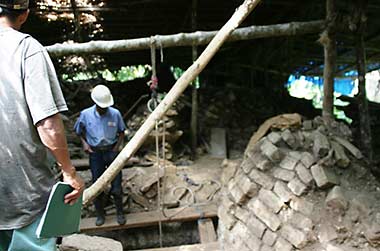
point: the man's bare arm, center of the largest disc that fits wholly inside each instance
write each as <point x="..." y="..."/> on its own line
<point x="52" y="134"/>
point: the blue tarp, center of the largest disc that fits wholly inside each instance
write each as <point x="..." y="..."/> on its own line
<point x="343" y="86"/>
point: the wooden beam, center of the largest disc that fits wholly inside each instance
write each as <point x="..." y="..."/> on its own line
<point x="196" y="247"/>
<point x="186" y="39"/>
<point x="145" y="219"/>
<point x="259" y="68"/>
<point x="370" y="58"/>
<point x="81" y="164"/>
<point x="206" y="230"/>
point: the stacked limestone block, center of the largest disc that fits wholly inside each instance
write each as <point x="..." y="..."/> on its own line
<point x="172" y="130"/>
<point x="265" y="204"/>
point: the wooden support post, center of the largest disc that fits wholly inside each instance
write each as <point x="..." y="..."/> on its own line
<point x="365" y="127"/>
<point x="77" y="25"/>
<point x="79" y="34"/>
<point x="329" y="42"/>
<point x="194" y="105"/>
<point x="206" y="230"/>
<point x="179" y="87"/>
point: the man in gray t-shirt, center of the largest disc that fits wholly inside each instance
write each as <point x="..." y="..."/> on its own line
<point x="30" y="103"/>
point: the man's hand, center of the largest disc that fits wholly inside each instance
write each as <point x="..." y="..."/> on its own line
<point x="87" y="148"/>
<point x="76" y="182"/>
<point x="119" y="142"/>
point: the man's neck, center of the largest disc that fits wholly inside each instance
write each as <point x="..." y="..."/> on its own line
<point x="101" y="111"/>
<point x="5" y="23"/>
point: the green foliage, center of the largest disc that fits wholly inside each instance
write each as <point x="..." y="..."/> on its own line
<point x="80" y="76"/>
<point x="178" y="72"/>
<point x="124" y="74"/>
<point x="108" y="75"/>
<point x="127" y="73"/>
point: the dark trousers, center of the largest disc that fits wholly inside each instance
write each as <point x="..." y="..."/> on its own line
<point x="99" y="160"/>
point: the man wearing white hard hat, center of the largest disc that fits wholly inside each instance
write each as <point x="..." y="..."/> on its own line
<point x="101" y="128"/>
<point x="31" y="101"/>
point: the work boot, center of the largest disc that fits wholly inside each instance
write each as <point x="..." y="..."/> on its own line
<point x="100" y="219"/>
<point x="120" y="218"/>
<point x="100" y="213"/>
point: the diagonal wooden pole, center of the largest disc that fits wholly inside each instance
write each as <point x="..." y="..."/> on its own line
<point x="179" y="87"/>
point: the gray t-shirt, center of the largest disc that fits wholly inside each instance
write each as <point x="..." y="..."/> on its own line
<point x="29" y="93"/>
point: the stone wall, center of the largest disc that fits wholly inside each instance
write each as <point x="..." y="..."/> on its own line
<point x="290" y="192"/>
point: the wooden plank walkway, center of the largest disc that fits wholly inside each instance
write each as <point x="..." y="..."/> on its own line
<point x="146" y="219"/>
<point x="207" y="233"/>
<point x="81" y="164"/>
<point x="213" y="246"/>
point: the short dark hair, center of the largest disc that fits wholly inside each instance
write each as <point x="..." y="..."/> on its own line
<point x="12" y="15"/>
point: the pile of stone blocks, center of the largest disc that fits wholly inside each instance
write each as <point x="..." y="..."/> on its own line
<point x="265" y="204"/>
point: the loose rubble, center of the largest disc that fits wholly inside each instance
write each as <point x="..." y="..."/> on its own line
<point x="180" y="186"/>
<point x="301" y="188"/>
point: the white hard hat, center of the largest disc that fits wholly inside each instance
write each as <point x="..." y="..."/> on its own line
<point x="102" y="96"/>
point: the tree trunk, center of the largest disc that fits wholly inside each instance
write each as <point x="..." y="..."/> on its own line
<point x="190" y="74"/>
<point x="186" y="39"/>
<point x="329" y="42"/>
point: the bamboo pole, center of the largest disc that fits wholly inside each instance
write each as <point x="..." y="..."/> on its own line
<point x="364" y="117"/>
<point x="329" y="42"/>
<point x="190" y="74"/>
<point x="186" y="39"/>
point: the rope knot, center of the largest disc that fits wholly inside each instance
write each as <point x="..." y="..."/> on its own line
<point x="153" y="83"/>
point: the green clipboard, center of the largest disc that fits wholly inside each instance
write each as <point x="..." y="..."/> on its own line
<point x="60" y="219"/>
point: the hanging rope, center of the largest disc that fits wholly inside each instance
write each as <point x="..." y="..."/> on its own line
<point x="158" y="185"/>
<point x="153" y="83"/>
<point x="152" y="104"/>
<point x="161" y="50"/>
